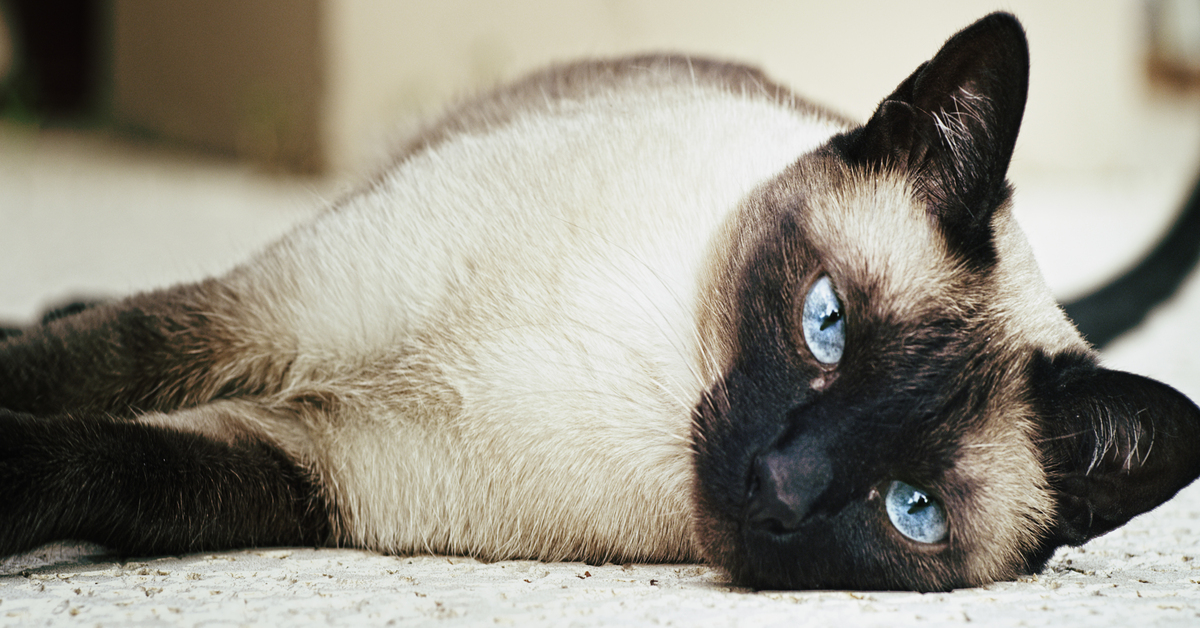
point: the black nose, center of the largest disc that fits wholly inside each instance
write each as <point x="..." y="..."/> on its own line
<point x="783" y="488"/>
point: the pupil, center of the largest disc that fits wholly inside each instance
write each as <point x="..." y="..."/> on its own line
<point x="918" y="503"/>
<point x="831" y="319"/>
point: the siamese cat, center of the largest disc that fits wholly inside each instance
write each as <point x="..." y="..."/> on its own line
<point x="648" y="309"/>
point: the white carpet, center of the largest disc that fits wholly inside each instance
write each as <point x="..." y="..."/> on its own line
<point x="82" y="215"/>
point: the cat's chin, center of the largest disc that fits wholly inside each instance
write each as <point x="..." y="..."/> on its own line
<point x="755" y="564"/>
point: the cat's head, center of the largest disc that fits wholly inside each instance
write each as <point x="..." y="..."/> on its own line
<point x="898" y="401"/>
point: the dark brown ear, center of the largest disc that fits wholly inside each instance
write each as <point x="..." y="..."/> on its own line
<point x="952" y="125"/>
<point x="1117" y="445"/>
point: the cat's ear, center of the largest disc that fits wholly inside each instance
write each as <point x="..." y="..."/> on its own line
<point x="1116" y="445"/>
<point x="953" y="123"/>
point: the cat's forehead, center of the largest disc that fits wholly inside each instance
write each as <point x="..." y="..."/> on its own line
<point x="869" y="228"/>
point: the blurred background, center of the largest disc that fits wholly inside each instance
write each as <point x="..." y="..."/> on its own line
<point x="319" y="86"/>
<point x="144" y="142"/>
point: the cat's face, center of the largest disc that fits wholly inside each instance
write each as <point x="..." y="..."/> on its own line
<point x="897" y="401"/>
<point x="872" y="424"/>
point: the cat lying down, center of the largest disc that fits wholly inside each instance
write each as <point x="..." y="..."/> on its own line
<point x="648" y="309"/>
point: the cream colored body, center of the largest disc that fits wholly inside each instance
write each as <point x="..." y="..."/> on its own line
<point x="516" y="359"/>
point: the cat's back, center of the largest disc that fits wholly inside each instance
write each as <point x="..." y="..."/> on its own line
<point x="599" y="83"/>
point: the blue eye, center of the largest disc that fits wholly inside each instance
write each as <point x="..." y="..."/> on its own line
<point x="915" y="514"/>
<point x="823" y="322"/>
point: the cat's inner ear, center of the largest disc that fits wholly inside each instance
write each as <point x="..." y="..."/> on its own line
<point x="1116" y="444"/>
<point x="952" y="125"/>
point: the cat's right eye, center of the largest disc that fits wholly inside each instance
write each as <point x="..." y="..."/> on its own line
<point x="823" y="322"/>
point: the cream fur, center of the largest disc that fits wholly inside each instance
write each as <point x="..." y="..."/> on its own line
<point x="515" y="360"/>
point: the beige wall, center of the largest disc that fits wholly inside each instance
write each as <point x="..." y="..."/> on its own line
<point x="241" y="76"/>
<point x="382" y="63"/>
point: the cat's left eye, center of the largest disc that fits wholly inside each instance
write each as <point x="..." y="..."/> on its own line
<point x="915" y="514"/>
<point x="823" y="322"/>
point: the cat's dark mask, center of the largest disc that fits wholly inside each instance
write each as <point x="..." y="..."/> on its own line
<point x="900" y="403"/>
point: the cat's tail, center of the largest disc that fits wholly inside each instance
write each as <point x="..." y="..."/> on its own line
<point x="1123" y="303"/>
